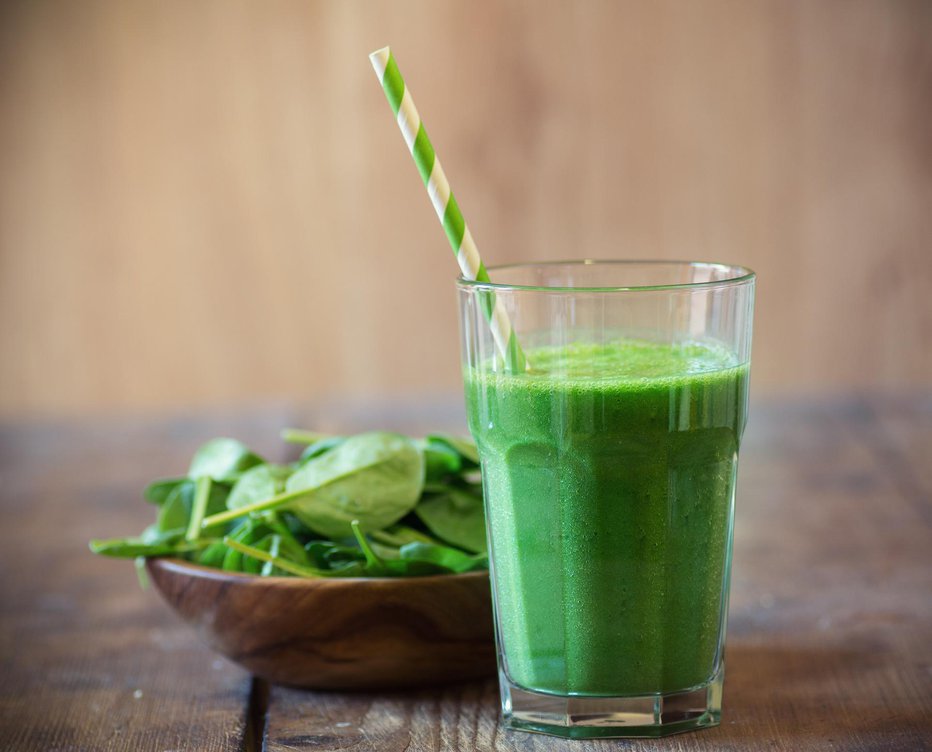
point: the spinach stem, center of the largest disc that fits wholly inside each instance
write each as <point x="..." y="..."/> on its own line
<point x="278" y="561"/>
<point x="268" y="567"/>
<point x="258" y="506"/>
<point x="371" y="558"/>
<point x="140" y="563"/>
<point x="198" y="507"/>
<point x="299" y="436"/>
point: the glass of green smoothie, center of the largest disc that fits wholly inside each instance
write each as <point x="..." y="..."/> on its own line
<point x="608" y="466"/>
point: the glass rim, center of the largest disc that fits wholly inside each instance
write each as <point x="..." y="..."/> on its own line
<point x="742" y="275"/>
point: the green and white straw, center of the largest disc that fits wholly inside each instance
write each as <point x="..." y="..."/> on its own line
<point x="448" y="212"/>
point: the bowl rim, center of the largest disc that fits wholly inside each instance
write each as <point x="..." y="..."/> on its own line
<point x="180" y="566"/>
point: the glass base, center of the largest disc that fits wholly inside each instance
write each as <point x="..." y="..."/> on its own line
<point x="581" y="717"/>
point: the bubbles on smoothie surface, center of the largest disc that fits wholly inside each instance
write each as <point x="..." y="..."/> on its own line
<point x="630" y="359"/>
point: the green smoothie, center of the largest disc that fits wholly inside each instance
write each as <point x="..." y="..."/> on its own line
<point x="609" y="477"/>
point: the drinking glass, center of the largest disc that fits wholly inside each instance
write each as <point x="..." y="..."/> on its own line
<point x="608" y="468"/>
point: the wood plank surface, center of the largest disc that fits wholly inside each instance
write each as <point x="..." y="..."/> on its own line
<point x="829" y="635"/>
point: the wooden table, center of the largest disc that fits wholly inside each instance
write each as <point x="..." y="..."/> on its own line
<point x="830" y="635"/>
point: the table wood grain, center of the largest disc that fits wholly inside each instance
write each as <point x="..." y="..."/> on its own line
<point x="830" y="632"/>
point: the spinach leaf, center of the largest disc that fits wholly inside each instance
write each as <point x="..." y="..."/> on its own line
<point x="290" y="545"/>
<point x="398" y="535"/>
<point x="375" y="478"/>
<point x="414" y="568"/>
<point x="222" y="459"/>
<point x="455" y="516"/>
<point x="158" y="491"/>
<point x="440" y="459"/>
<point x="330" y="555"/>
<point x="298" y="529"/>
<point x="175" y="513"/>
<point x="233" y="558"/>
<point x="176" y="510"/>
<point x="448" y="558"/>
<point x="320" y="447"/>
<point x="249" y="531"/>
<point x="130" y="548"/>
<point x="465" y="448"/>
<point x="385" y="552"/>
<point x="213" y="555"/>
<point x="257" y="483"/>
<point x="152" y="534"/>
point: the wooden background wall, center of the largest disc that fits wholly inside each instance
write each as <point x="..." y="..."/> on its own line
<point x="208" y="202"/>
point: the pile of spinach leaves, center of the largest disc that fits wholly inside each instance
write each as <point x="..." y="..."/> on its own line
<point x="371" y="505"/>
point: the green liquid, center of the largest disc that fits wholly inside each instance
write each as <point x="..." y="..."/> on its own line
<point x="610" y="505"/>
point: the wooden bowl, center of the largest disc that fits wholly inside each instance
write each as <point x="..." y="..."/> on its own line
<point x="338" y="633"/>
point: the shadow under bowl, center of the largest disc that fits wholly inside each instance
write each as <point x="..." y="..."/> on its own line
<point x="338" y="633"/>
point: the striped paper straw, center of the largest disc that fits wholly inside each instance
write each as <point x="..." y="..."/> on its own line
<point x="448" y="212"/>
